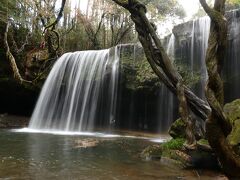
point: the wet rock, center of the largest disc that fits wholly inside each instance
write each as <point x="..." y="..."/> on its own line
<point x="171" y="162"/>
<point x="197" y="159"/>
<point x="85" y="143"/>
<point x="153" y="152"/>
<point x="177" y="129"/>
<point x="10" y="121"/>
<point x="202" y="159"/>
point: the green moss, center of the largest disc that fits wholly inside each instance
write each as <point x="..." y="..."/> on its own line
<point x="232" y="110"/>
<point x="169" y="147"/>
<point x="137" y="72"/>
<point x="173" y="144"/>
<point x="234" y="136"/>
<point x="189" y="77"/>
<point x="152" y="152"/>
<point x="177" y="129"/>
<point x="203" y="142"/>
<point x="166" y="149"/>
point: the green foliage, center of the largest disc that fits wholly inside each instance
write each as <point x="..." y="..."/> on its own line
<point x="160" y="9"/>
<point x="173" y="144"/>
<point x="190" y="78"/>
<point x="145" y="75"/>
<point x="6" y="7"/>
<point x="138" y="73"/>
<point x="232" y="4"/>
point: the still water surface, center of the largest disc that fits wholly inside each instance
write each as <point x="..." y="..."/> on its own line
<point x="47" y="156"/>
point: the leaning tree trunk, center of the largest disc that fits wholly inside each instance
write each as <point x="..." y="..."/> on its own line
<point x="217" y="125"/>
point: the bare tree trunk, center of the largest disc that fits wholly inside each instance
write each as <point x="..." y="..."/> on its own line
<point x="11" y="59"/>
<point x="217" y="125"/>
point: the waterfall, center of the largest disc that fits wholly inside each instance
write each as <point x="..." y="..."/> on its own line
<point x="79" y="92"/>
<point x="231" y="65"/>
<point x="192" y="46"/>
<point x="199" y="43"/>
<point x="193" y="52"/>
<point x="92" y="89"/>
<point x="166" y="106"/>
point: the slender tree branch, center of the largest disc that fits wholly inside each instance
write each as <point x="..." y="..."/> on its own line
<point x="124" y="33"/>
<point x="59" y="16"/>
<point x="19" y="50"/>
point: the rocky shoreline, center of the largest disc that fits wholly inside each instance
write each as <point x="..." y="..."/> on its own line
<point x="12" y="121"/>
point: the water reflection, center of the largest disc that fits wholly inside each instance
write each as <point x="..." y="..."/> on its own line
<point x="45" y="156"/>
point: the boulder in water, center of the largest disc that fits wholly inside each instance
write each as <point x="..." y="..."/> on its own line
<point x="85" y="143"/>
<point x="153" y="152"/>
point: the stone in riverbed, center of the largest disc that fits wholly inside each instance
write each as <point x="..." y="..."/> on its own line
<point x="153" y="152"/>
<point x="85" y="143"/>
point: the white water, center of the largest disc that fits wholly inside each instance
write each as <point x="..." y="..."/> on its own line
<point x="166" y="109"/>
<point x="196" y="62"/>
<point x="72" y="96"/>
<point x="232" y="61"/>
<point x="161" y="139"/>
<point x="199" y="43"/>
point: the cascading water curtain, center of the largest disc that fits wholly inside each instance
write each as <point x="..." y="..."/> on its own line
<point x="70" y="98"/>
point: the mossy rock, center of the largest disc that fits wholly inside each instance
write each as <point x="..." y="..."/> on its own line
<point x="169" y="147"/>
<point x="171" y="150"/>
<point x="232" y="111"/>
<point x="197" y="158"/>
<point x="173" y="144"/>
<point x="153" y="152"/>
<point x="166" y="149"/>
<point x="203" y="142"/>
<point x="177" y="129"/>
<point x="234" y="136"/>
